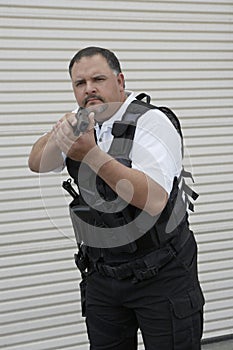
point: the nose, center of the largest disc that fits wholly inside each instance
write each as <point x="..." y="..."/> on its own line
<point x="90" y="88"/>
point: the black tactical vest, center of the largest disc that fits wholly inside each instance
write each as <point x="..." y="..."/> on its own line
<point x="100" y="206"/>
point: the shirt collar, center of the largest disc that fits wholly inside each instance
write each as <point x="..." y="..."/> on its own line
<point x="121" y="110"/>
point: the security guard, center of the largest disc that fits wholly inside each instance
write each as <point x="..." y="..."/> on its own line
<point x="138" y="257"/>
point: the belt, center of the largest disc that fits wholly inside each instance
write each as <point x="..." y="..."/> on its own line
<point x="141" y="268"/>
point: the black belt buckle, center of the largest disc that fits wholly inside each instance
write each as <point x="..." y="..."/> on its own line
<point x="141" y="275"/>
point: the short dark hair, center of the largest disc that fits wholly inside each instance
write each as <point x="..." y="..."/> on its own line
<point x="90" y="51"/>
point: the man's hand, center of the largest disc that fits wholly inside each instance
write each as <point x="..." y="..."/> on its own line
<point x="74" y="147"/>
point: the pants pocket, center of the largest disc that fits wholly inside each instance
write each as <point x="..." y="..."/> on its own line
<point x="187" y="319"/>
<point x="187" y="257"/>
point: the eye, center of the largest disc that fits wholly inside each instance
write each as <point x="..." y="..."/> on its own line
<point x="79" y="83"/>
<point x="100" y="78"/>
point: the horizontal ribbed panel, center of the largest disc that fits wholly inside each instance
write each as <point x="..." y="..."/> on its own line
<point x="180" y="52"/>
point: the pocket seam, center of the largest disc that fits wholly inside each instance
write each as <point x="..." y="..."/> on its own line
<point x="186" y="305"/>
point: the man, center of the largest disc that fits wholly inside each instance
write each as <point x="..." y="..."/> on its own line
<point x="139" y="273"/>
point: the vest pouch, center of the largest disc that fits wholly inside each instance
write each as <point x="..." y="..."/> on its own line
<point x="82" y="210"/>
<point x="90" y="228"/>
<point x="83" y="222"/>
<point x="86" y="228"/>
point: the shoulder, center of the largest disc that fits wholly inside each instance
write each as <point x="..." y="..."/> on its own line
<point x="155" y="121"/>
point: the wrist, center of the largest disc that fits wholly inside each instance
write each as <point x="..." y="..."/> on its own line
<point x="96" y="158"/>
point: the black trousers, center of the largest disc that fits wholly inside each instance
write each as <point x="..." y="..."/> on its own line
<point x="167" y="308"/>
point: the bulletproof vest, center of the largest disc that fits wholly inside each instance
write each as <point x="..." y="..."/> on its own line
<point x="93" y="190"/>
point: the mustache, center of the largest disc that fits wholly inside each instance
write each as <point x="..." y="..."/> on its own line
<point x="96" y="97"/>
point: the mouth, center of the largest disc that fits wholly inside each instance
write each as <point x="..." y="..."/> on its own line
<point x="93" y="102"/>
<point x="90" y="101"/>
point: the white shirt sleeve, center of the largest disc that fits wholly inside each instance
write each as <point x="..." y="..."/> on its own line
<point x="156" y="148"/>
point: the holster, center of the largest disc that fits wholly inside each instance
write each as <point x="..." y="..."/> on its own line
<point x="81" y="261"/>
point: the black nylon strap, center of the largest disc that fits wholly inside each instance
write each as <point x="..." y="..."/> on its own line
<point x="140" y="269"/>
<point x="145" y="267"/>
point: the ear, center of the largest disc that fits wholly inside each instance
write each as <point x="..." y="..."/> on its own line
<point x="121" y="81"/>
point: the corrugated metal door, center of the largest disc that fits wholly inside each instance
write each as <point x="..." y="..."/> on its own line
<point x="181" y="53"/>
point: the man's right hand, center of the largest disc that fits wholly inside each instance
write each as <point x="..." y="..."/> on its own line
<point x="46" y="153"/>
<point x="75" y="147"/>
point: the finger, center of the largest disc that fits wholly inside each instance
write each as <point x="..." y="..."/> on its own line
<point x="64" y="134"/>
<point x="60" y="121"/>
<point x="62" y="141"/>
<point x="56" y="126"/>
<point x="67" y="128"/>
<point x="72" y="120"/>
<point x="91" y="121"/>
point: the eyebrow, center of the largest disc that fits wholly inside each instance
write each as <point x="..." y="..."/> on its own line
<point x="82" y="80"/>
<point x="100" y="75"/>
<point x="79" y="80"/>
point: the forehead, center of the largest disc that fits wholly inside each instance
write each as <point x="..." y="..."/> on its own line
<point x="89" y="66"/>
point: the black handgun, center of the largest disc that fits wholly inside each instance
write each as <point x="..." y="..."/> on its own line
<point x="82" y="121"/>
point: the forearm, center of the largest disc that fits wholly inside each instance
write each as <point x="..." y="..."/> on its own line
<point x="130" y="184"/>
<point x="45" y="155"/>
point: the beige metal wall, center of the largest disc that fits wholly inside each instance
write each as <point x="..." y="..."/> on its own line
<point x="178" y="51"/>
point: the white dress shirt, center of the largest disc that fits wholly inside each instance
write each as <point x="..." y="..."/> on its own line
<point x="156" y="149"/>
